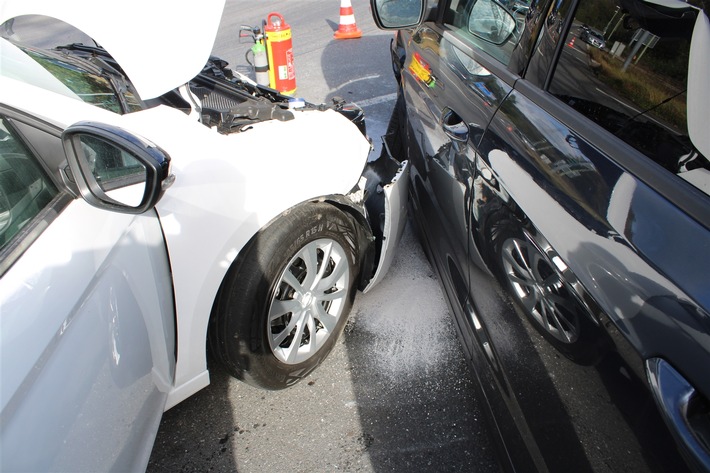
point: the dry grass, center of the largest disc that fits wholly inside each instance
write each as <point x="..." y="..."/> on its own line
<point x="644" y="89"/>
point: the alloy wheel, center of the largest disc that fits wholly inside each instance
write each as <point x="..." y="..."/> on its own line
<point x="540" y="290"/>
<point x="309" y="300"/>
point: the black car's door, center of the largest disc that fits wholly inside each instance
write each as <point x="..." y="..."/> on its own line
<point x="600" y="232"/>
<point x="449" y="98"/>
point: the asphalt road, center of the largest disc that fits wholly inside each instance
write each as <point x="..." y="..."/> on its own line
<point x="396" y="393"/>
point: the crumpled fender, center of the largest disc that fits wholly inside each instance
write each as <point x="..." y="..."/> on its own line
<point x="227" y="187"/>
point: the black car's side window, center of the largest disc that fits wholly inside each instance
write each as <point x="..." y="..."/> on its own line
<point x="632" y="83"/>
<point x="488" y="24"/>
<point x="25" y="190"/>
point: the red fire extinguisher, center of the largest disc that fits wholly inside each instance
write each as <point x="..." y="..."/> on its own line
<point x="282" y="74"/>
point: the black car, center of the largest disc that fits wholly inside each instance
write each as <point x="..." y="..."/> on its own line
<point x="562" y="196"/>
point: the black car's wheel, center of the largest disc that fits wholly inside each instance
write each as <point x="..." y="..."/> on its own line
<point x="539" y="289"/>
<point x="286" y="301"/>
<point x="544" y="296"/>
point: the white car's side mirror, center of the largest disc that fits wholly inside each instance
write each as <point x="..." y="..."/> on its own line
<point x="116" y="170"/>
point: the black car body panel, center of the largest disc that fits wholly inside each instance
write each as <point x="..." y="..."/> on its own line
<point x="570" y="240"/>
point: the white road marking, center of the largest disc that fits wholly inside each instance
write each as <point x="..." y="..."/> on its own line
<point x="377" y="100"/>
<point x="373" y="100"/>
<point x="371" y="76"/>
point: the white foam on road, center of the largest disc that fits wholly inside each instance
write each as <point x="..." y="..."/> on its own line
<point x="406" y="318"/>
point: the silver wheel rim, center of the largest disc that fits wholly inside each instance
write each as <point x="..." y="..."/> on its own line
<point x="540" y="290"/>
<point x="309" y="301"/>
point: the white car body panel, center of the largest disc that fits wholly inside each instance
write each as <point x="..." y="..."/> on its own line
<point x="164" y="44"/>
<point x="122" y="294"/>
<point x="230" y="181"/>
<point x="88" y="336"/>
<point x="226" y="189"/>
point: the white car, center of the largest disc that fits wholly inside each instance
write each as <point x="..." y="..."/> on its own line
<point x="155" y="205"/>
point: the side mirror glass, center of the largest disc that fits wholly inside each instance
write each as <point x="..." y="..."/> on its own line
<point x="116" y="173"/>
<point x="115" y="170"/>
<point x="397" y="14"/>
<point x="491" y="22"/>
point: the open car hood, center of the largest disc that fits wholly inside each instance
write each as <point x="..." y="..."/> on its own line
<point x="160" y="44"/>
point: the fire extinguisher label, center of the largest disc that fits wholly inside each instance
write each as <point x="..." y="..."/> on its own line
<point x="283" y="72"/>
<point x="291" y="73"/>
<point x="278" y="36"/>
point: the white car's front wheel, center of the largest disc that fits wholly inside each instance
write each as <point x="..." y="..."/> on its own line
<point x="286" y="300"/>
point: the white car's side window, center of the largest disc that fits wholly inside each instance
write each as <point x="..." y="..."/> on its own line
<point x="24" y="187"/>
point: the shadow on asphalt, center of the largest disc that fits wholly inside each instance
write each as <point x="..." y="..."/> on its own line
<point x="396" y="394"/>
<point x="411" y="381"/>
<point x="195" y="435"/>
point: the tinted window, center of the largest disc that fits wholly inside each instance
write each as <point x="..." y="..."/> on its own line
<point x="632" y="81"/>
<point x="24" y="188"/>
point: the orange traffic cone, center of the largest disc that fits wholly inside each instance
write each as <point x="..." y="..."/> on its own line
<point x="571" y="43"/>
<point x="347" y="28"/>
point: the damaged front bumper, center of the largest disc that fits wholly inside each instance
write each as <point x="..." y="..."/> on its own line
<point x="395" y="219"/>
<point x="233" y="103"/>
<point x="386" y="183"/>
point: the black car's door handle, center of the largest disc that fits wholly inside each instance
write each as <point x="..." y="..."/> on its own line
<point x="454" y="126"/>
<point x="684" y="411"/>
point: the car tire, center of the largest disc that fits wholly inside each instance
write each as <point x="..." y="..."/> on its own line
<point x="544" y="296"/>
<point x="286" y="300"/>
